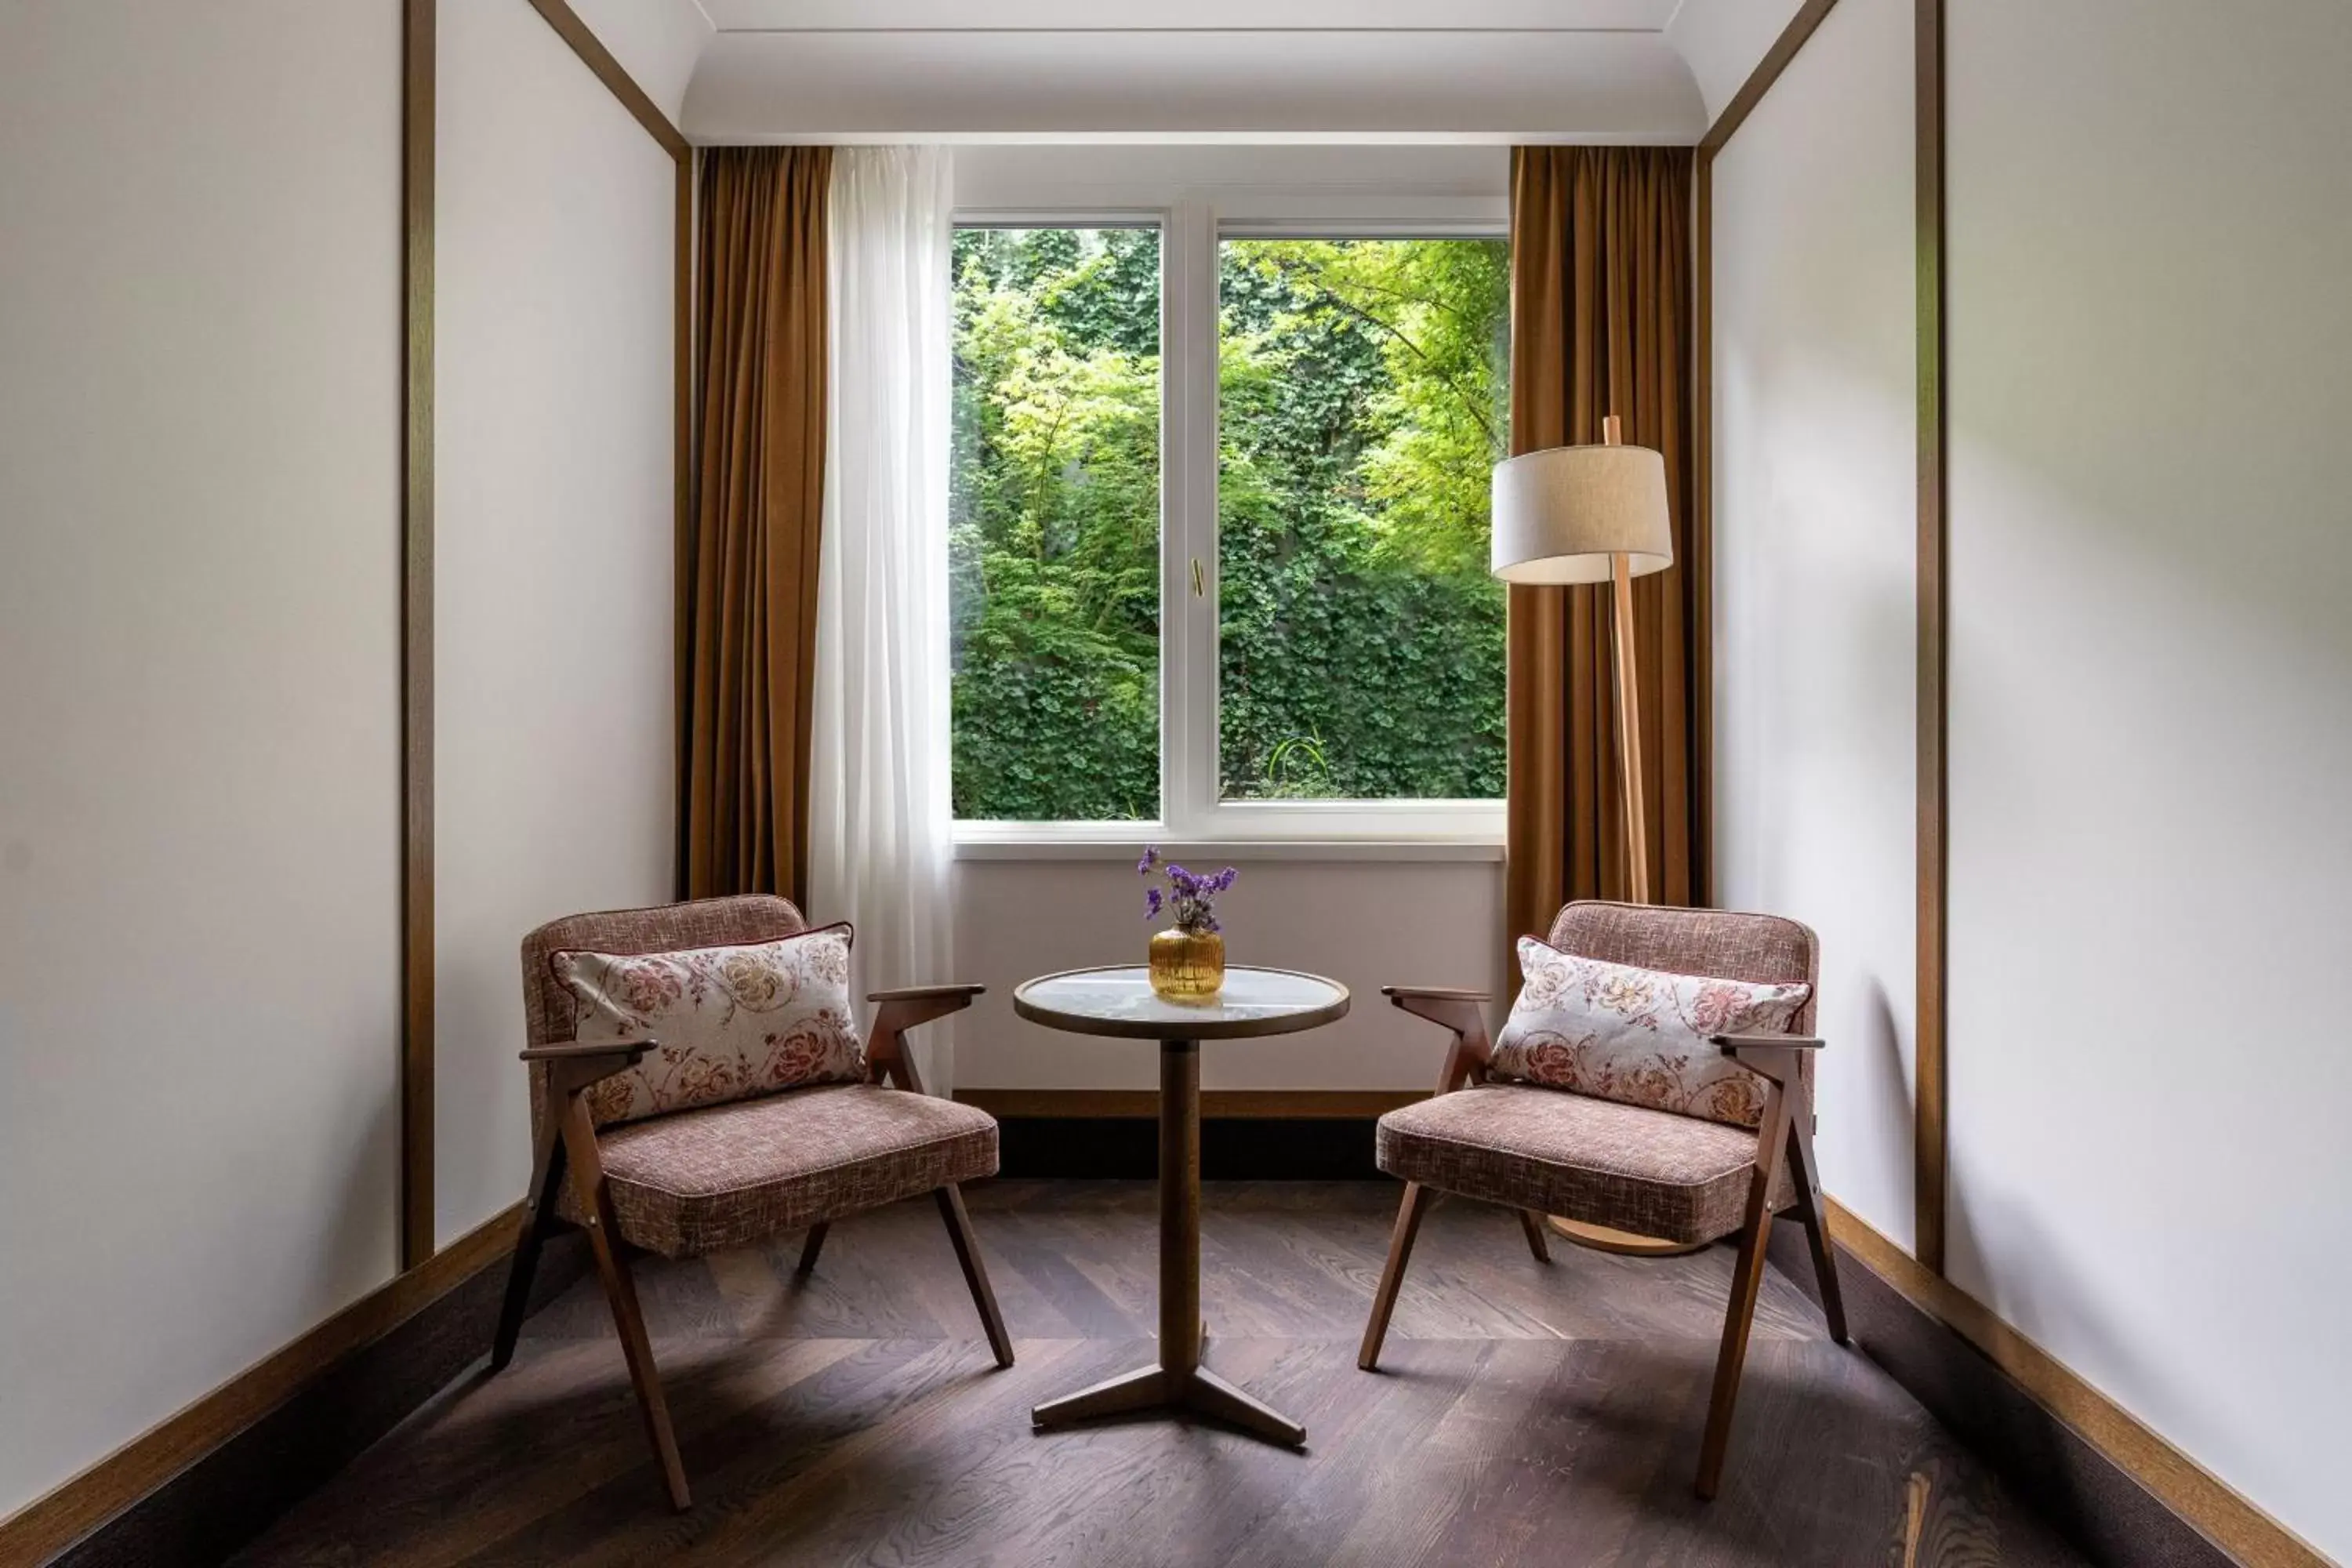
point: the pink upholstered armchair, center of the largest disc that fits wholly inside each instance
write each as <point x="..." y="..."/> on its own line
<point x="1652" y="1173"/>
<point x="733" y="1171"/>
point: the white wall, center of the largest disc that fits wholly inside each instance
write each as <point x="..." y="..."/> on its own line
<point x="554" y="535"/>
<point x="199" y="665"/>
<point x="2150" y="346"/>
<point x="1815" y="705"/>
<point x="1365" y="923"/>
<point x="657" y="42"/>
<point x="2151" y="722"/>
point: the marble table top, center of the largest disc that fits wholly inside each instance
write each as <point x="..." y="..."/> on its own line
<point x="1120" y="1002"/>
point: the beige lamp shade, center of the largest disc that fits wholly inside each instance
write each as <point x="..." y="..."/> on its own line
<point x="1561" y="513"/>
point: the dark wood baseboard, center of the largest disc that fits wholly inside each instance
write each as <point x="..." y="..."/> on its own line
<point x="1232" y="1147"/>
<point x="197" y="1488"/>
<point x="1246" y="1134"/>
<point x="1263" y="1104"/>
<point x="2118" y="1492"/>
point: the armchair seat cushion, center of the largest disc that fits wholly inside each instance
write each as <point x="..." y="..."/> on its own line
<point x="1650" y="1172"/>
<point x="727" y="1175"/>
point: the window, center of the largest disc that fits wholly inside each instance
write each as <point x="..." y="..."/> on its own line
<point x="1054" y="525"/>
<point x="1361" y="413"/>
<point x="1219" y="531"/>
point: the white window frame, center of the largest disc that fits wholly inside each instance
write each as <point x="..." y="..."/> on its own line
<point x="1192" y="224"/>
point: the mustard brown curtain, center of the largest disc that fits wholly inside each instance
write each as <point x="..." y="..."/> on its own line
<point x="1601" y="324"/>
<point x="747" y="618"/>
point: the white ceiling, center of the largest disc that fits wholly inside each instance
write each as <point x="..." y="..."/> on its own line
<point x="1721" y="40"/>
<point x="1210" y="85"/>
<point x="1393" y="72"/>
<point x="1353" y="15"/>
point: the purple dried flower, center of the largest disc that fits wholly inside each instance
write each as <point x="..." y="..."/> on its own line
<point x="1188" y="896"/>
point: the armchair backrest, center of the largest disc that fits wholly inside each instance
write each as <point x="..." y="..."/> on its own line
<point x="549" y="1015"/>
<point x="1765" y="949"/>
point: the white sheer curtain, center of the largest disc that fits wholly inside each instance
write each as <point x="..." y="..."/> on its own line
<point x="880" y="820"/>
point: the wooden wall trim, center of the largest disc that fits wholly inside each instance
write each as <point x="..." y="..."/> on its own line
<point x="417" y="114"/>
<point x="1931" y="1135"/>
<point x="591" y="52"/>
<point x="2195" y="1494"/>
<point x="419" y="65"/>
<point x="598" y="58"/>
<point x="50" y="1524"/>
<point x="1707" y="894"/>
<point x="1931" y="1128"/>
<point x="1760" y="81"/>
<point x="1251" y="1103"/>
<point x="1768" y="71"/>
<point x="684" y="500"/>
<point x="2177" y="1483"/>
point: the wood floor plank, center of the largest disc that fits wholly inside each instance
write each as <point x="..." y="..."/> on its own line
<point x="1523" y="1412"/>
<point x="1366" y="1448"/>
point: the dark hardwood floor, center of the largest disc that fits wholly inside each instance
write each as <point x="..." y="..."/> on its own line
<point x="1525" y="1414"/>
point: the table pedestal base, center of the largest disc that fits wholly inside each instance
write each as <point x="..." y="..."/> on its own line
<point x="1155" y="1388"/>
<point x="1179" y="1382"/>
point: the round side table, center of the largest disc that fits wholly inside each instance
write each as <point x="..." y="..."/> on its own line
<point x="1120" y="1003"/>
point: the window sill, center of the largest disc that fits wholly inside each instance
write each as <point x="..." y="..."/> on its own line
<point x="976" y="841"/>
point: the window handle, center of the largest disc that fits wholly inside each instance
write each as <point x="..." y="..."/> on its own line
<point x="1199" y="591"/>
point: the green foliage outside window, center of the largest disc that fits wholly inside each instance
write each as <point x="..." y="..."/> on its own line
<point x="1054" y="525"/>
<point x="1360" y="413"/>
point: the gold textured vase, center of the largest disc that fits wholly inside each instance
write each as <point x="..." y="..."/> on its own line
<point x="1188" y="966"/>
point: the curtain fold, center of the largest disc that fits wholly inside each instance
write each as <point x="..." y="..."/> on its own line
<point x="881" y="830"/>
<point x="749" y="640"/>
<point x="1601" y="324"/>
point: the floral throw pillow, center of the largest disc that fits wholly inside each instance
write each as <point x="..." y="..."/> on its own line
<point x="733" y="1022"/>
<point x="1638" y="1035"/>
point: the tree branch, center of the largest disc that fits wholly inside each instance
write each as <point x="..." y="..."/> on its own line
<point x="1325" y="296"/>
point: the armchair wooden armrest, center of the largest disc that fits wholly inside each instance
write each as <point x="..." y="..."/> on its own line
<point x="584" y="1050"/>
<point x="964" y="989"/>
<point x="897" y="1011"/>
<point x="1774" y="1056"/>
<point x="573" y="1065"/>
<point x="1456" y="1008"/>
<point x="1734" y="1044"/>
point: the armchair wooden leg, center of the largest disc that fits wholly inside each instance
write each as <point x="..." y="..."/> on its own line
<point x="1747" y="1278"/>
<point x="546" y="1181"/>
<point x="636" y="1349"/>
<point x="1533" y="1224"/>
<point x="812" y="1247"/>
<point x="1408" y="1225"/>
<point x="975" y="1272"/>
<point x="1811" y="1209"/>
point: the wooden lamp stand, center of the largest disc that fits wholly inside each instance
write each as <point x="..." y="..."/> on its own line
<point x="1601" y="1237"/>
<point x="1629" y="713"/>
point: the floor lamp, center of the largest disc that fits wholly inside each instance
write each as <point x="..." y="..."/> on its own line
<point x="1595" y="514"/>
